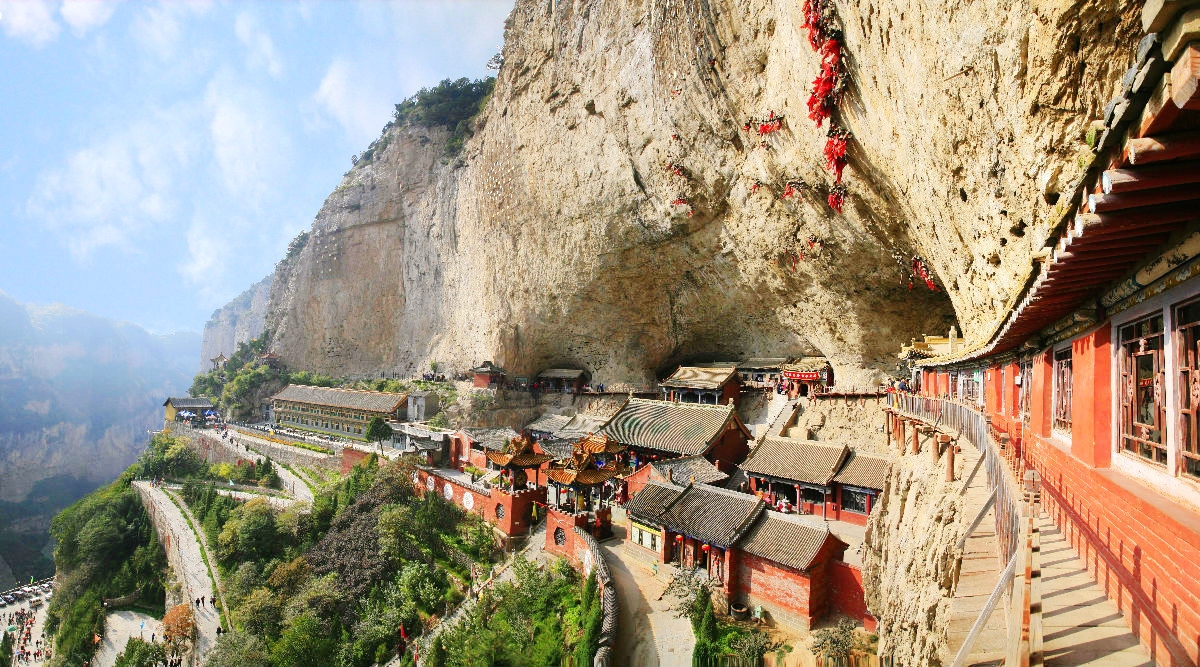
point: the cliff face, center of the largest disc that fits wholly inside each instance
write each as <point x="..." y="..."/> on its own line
<point x="552" y="239"/>
<point x="236" y="322"/>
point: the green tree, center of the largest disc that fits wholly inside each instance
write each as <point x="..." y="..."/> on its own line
<point x="260" y="613"/>
<point x="140" y="653"/>
<point x="6" y="649"/>
<point x="837" y="642"/>
<point x="239" y="649"/>
<point x="378" y="430"/>
<point x="306" y="642"/>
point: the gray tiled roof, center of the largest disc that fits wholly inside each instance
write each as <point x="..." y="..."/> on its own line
<point x="807" y="364"/>
<point x="798" y="460"/>
<point x="696" y="377"/>
<point x="561" y="373"/>
<point x="491" y="438"/>
<point x="556" y="447"/>
<point x="352" y="399"/>
<point x="784" y="539"/>
<point x="685" y="468"/>
<point x="708" y="513"/>
<point x="683" y="428"/>
<point x="648" y="503"/>
<point x="736" y="480"/>
<point x="188" y="403"/>
<point x="548" y="423"/>
<point x="580" y="426"/>
<point x="862" y="470"/>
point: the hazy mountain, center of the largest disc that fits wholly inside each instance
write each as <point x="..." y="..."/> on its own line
<point x="78" y="393"/>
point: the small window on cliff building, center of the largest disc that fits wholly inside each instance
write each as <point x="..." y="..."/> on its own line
<point x="854" y="501"/>
<point x="560" y="536"/>
<point x="1062" y="389"/>
<point x="1187" y="327"/>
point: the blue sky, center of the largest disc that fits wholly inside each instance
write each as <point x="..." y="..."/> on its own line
<point x="157" y="157"/>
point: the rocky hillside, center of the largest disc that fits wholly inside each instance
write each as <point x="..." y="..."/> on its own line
<point x="77" y="395"/>
<point x="553" y="239"/>
<point x="238" y="321"/>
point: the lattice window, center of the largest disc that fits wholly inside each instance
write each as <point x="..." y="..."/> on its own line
<point x="499" y="511"/>
<point x="560" y="536"/>
<point x="1062" y="389"/>
<point x="854" y="501"/>
<point x="1143" y="413"/>
<point x="1187" y="338"/>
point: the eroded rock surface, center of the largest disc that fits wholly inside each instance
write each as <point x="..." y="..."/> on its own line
<point x="552" y="240"/>
<point x="236" y="322"/>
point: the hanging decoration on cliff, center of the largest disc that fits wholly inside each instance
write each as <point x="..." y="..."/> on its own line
<point x="825" y="38"/>
<point x="675" y="169"/>
<point x="791" y="188"/>
<point x="837" y="197"/>
<point x="835" y="150"/>
<point x="754" y="188"/>
<point x="764" y="126"/>
<point x="922" y="272"/>
<point x="680" y="201"/>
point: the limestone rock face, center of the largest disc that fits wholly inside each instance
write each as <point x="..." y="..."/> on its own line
<point x="236" y="322"/>
<point x="911" y="563"/>
<point x="552" y="240"/>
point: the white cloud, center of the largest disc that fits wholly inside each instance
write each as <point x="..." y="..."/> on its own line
<point x="108" y="193"/>
<point x="156" y="28"/>
<point x="262" y="50"/>
<point x="248" y="142"/>
<point x="356" y="104"/>
<point x="84" y="15"/>
<point x="205" y="257"/>
<point x="31" y="21"/>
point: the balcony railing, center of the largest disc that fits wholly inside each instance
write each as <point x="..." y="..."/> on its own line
<point x="1016" y="535"/>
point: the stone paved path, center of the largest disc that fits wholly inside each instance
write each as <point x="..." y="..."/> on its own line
<point x="649" y="634"/>
<point x="195" y="577"/>
<point x="119" y="626"/>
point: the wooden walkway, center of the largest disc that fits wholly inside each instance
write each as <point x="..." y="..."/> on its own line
<point x="1080" y="625"/>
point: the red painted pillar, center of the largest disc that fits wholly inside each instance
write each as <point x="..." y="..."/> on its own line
<point x="1091" y="400"/>
<point x="1041" y="394"/>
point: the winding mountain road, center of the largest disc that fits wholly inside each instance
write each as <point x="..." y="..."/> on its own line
<point x="188" y="563"/>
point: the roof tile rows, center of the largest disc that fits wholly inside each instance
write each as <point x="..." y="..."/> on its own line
<point x="785" y="539"/>
<point x="687" y="468"/>
<point x="799" y="460"/>
<point x="351" y="399"/>
<point x="727" y="518"/>
<point x="707" y="513"/>
<point x="863" y="470"/>
<point x="188" y="403"/>
<point x="695" y="377"/>
<point x="811" y="462"/>
<point x="683" y="428"/>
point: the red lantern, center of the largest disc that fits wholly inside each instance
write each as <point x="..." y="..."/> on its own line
<point x="705" y="548"/>
<point x="679" y="538"/>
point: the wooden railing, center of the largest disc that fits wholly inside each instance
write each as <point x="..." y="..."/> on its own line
<point x="1017" y="536"/>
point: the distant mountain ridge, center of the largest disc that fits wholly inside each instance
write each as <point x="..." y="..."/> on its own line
<point x="78" y="393"/>
<point x="238" y="321"/>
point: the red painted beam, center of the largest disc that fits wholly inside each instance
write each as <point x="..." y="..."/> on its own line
<point x="1133" y="179"/>
<point x="1181" y="146"/>
<point x="1151" y="197"/>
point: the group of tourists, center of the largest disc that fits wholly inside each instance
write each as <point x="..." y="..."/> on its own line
<point x="27" y="648"/>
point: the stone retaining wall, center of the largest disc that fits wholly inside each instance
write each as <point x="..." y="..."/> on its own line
<point x="293" y="456"/>
<point x="165" y="537"/>
<point x="590" y="555"/>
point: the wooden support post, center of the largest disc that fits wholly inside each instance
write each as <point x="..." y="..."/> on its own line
<point x="1185" y="78"/>
<point x="1170" y="147"/>
<point x="936" y="442"/>
<point x="1104" y="203"/>
<point x="1122" y="181"/>
<point x="900" y="438"/>
<point x="916" y="440"/>
<point x="950" y="450"/>
<point x="889" y="416"/>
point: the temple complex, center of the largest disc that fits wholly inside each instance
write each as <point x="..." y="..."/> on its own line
<point x="344" y="412"/>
